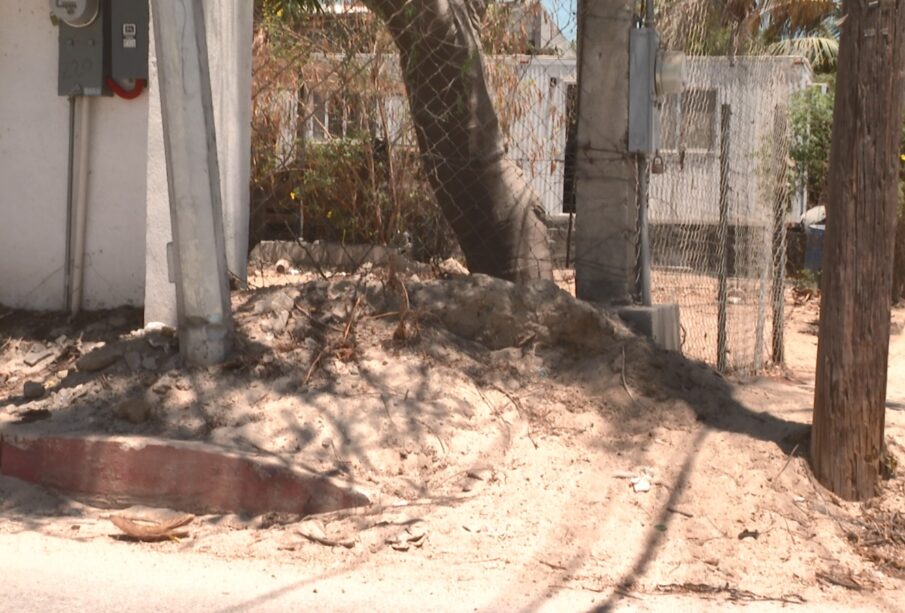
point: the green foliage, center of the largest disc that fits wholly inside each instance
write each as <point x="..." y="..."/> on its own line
<point x="811" y="118"/>
<point x="806" y="281"/>
<point x="351" y="193"/>
<point x="812" y="132"/>
<point x="287" y="9"/>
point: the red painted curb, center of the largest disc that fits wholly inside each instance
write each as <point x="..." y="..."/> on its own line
<point x="190" y="477"/>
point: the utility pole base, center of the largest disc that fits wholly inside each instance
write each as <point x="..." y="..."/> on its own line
<point x="205" y="343"/>
<point x="659" y="322"/>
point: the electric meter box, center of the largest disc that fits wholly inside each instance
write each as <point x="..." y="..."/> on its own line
<point x="129" y="31"/>
<point x="84" y="58"/>
<point x="653" y="74"/>
<point x="643" y="124"/>
<point x="101" y="40"/>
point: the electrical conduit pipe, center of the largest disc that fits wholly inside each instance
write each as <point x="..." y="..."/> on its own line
<point x="80" y="210"/>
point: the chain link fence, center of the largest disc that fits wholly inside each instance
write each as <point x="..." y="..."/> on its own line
<point x="341" y="155"/>
<point x="721" y="199"/>
<point x="430" y="127"/>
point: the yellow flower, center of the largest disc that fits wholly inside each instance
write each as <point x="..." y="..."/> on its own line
<point x="293" y="195"/>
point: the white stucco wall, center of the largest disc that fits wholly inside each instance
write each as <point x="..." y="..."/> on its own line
<point x="33" y="176"/>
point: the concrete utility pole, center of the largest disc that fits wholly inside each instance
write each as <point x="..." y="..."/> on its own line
<point x="606" y="197"/>
<point x="199" y="253"/>
<point x="617" y="131"/>
<point x="229" y="34"/>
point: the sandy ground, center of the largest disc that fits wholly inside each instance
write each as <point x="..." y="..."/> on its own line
<point x="506" y="436"/>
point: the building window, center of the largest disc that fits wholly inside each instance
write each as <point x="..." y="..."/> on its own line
<point x="688" y="121"/>
<point x="335" y="116"/>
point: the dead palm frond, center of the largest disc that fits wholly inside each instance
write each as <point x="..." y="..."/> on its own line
<point x="792" y="18"/>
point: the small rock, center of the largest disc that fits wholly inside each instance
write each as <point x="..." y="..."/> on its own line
<point x="162" y="341"/>
<point x="160" y="336"/>
<point x="134" y="410"/>
<point x="37" y="353"/>
<point x="133" y="359"/>
<point x="452" y="268"/>
<point x="279" y="321"/>
<point x="32" y="390"/>
<point x="98" y="359"/>
<point x="282" y="301"/>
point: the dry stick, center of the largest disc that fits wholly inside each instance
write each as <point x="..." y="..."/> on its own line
<point x="826" y="506"/>
<point x="733" y="593"/>
<point x="624" y="382"/>
<point x="679" y="512"/>
<point x="396" y="284"/>
<point x="317" y="265"/>
<point x="431" y="430"/>
<point x="845" y="582"/>
<point x="496" y="414"/>
<point x="786" y="465"/>
<point x="314" y="364"/>
<point x="333" y="346"/>
<point x="552" y="565"/>
<point x="351" y="321"/>
<point x="521" y="411"/>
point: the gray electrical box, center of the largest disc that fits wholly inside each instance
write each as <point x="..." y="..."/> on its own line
<point x="643" y="119"/>
<point x="83" y="58"/>
<point x="103" y="45"/>
<point x="129" y="28"/>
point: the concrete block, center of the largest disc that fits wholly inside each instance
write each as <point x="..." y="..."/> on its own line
<point x="186" y="476"/>
<point x="659" y="322"/>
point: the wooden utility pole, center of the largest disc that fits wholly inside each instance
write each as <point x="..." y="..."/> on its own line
<point x="850" y="395"/>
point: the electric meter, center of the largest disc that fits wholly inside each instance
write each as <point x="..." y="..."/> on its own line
<point x="75" y="13"/>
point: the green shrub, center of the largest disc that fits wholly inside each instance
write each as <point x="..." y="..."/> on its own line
<point x="811" y="118"/>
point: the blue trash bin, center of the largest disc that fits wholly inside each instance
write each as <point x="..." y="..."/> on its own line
<point x="813" y="254"/>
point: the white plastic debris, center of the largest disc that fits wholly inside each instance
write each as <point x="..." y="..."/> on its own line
<point x="640" y="484"/>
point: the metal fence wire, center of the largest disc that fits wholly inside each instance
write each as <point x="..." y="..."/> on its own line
<point x="341" y="155"/>
<point x="336" y="154"/>
<point x="721" y="198"/>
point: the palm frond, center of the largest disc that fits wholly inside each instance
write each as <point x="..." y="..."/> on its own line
<point x="820" y="51"/>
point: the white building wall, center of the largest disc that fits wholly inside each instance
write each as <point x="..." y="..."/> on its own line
<point x="537" y="136"/>
<point x="34" y="125"/>
<point x="127" y="187"/>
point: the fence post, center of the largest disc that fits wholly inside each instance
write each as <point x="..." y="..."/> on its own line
<point x="723" y="238"/>
<point x="780" y="127"/>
